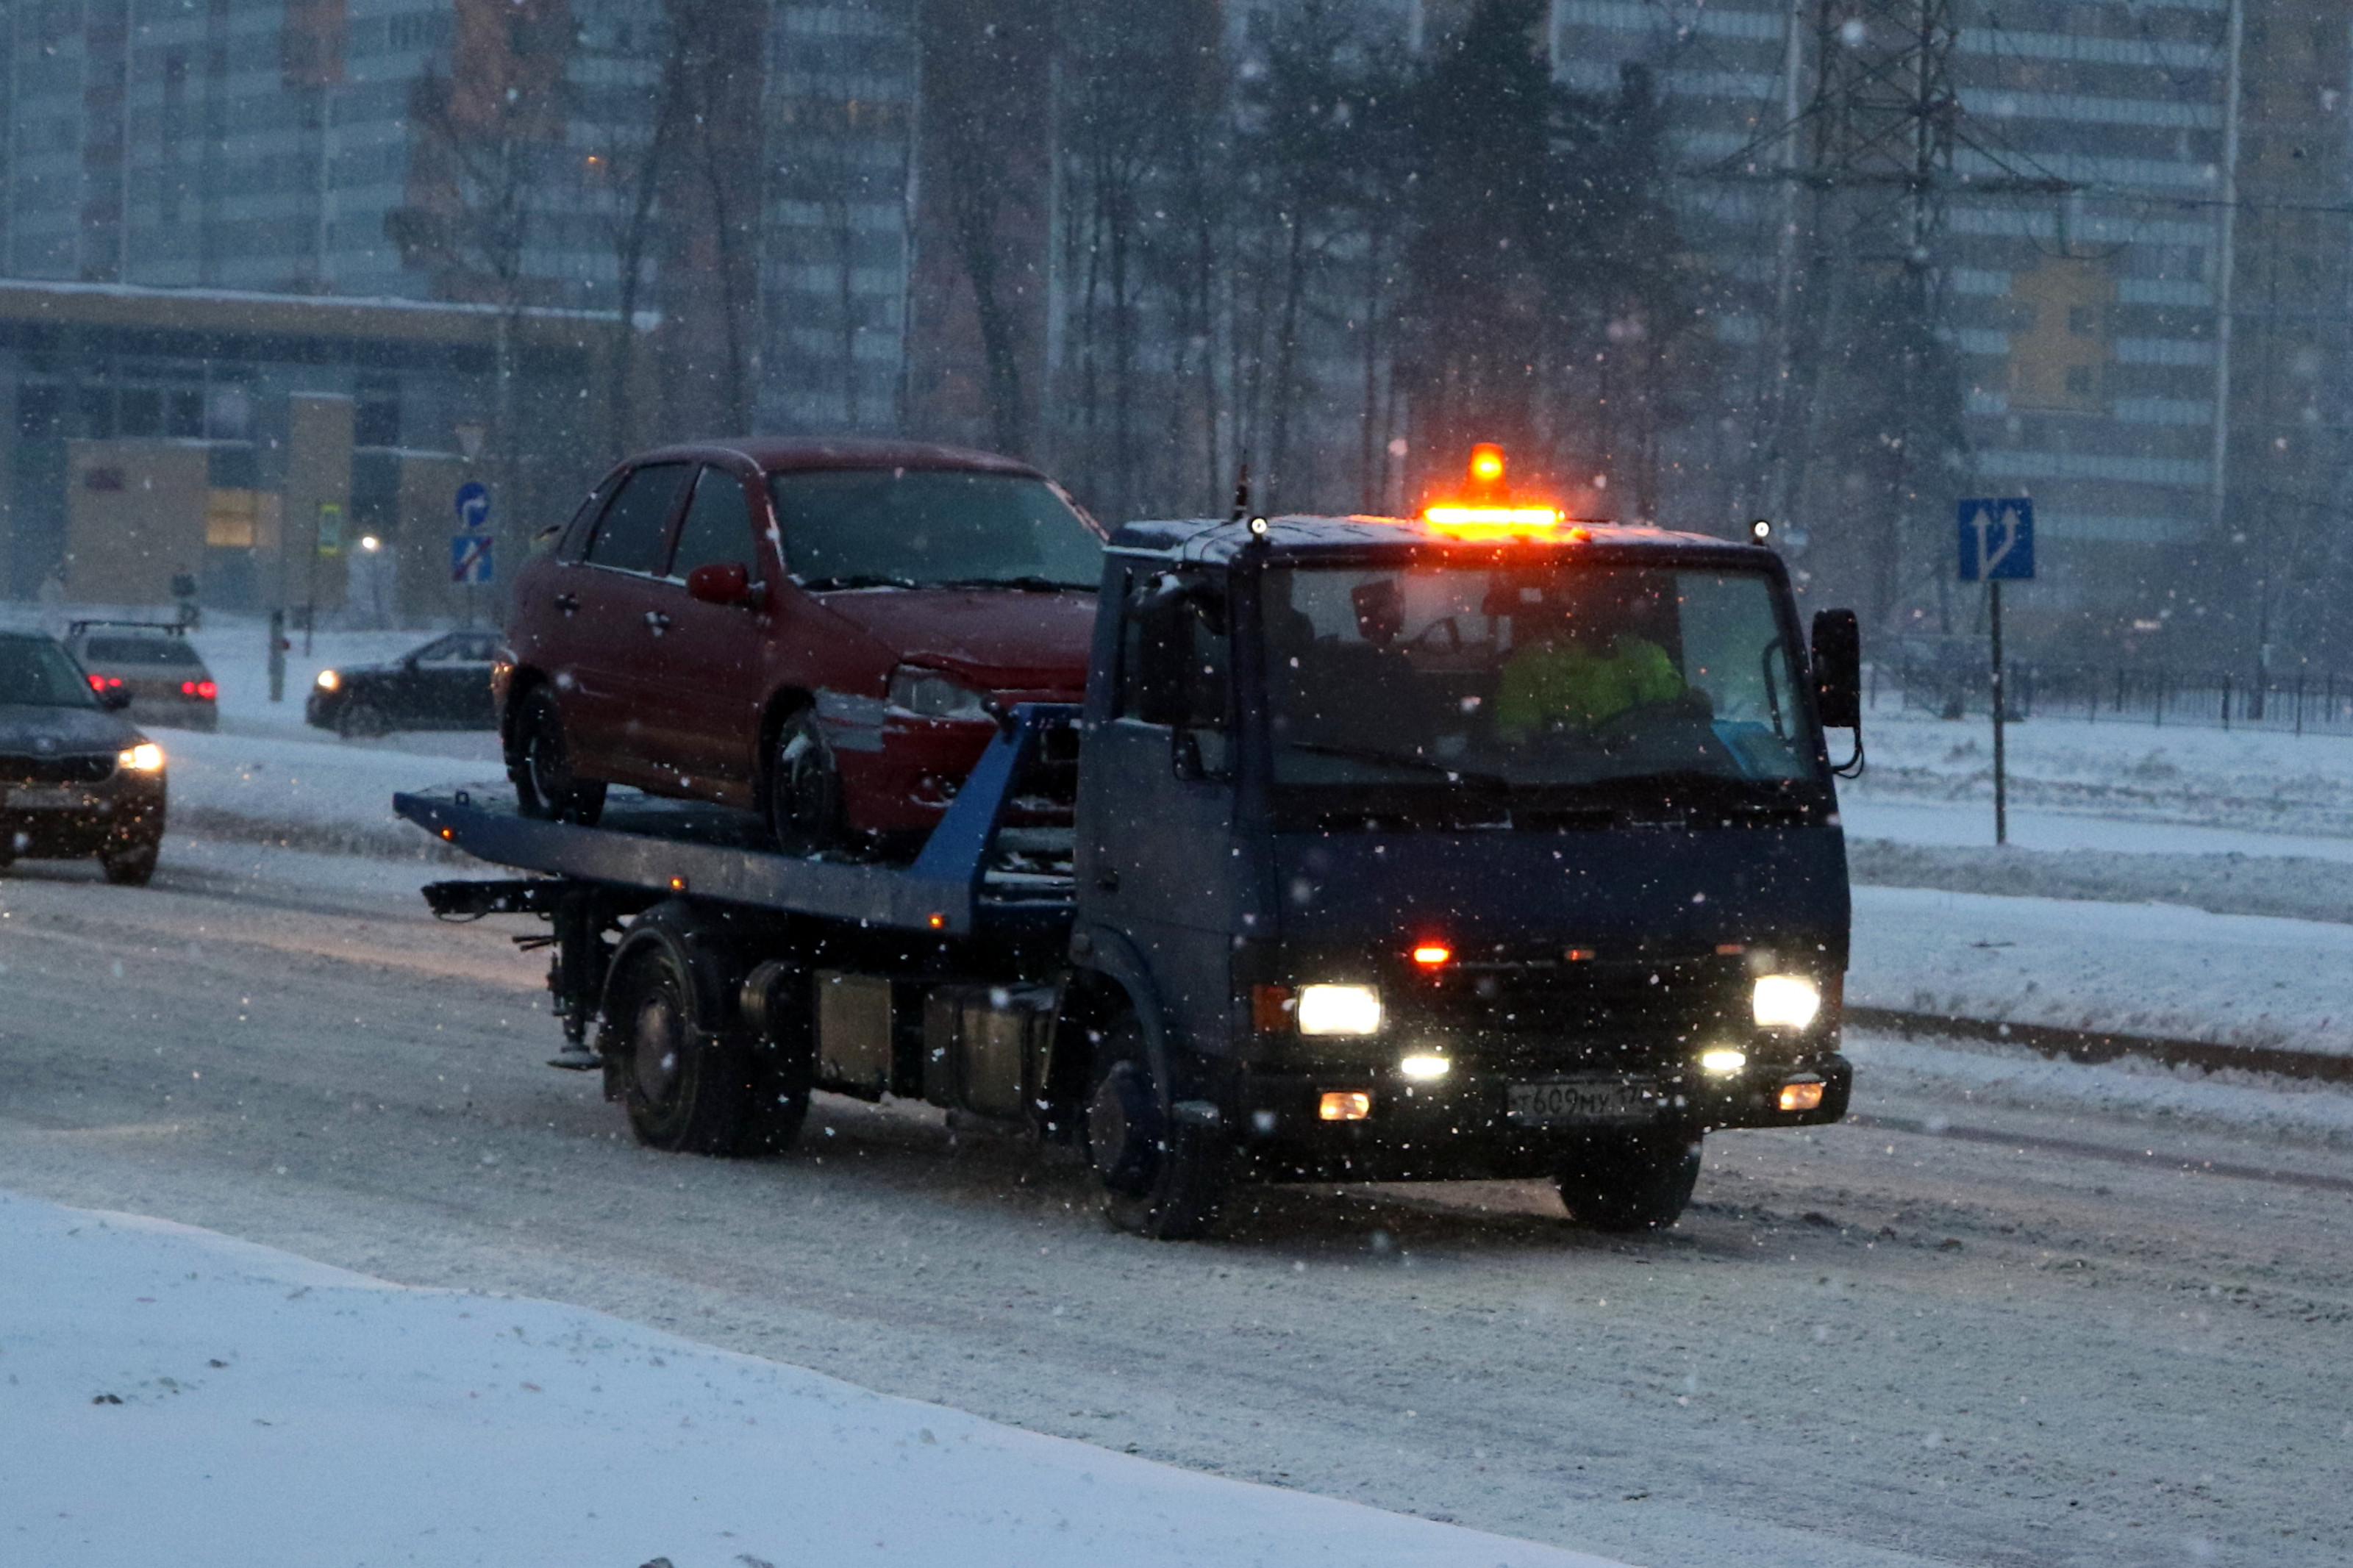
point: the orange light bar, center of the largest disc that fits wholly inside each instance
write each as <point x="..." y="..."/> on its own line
<point x="1496" y="521"/>
<point x="1430" y="955"/>
<point x="939" y="923"/>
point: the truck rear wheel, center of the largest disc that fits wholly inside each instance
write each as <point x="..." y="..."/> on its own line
<point x="1631" y="1181"/>
<point x="1161" y="1177"/>
<point x="776" y="1006"/>
<point x="686" y="1078"/>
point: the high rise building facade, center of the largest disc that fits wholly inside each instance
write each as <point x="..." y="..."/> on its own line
<point x="2134" y="216"/>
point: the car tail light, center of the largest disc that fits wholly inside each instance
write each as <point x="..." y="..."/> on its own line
<point x="106" y="683"/>
<point x="204" y="690"/>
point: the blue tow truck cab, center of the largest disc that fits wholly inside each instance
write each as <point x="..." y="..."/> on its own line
<point x="1380" y="850"/>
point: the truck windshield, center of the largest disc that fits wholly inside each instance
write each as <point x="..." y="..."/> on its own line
<point x="925" y="528"/>
<point x="37" y="673"/>
<point x="1552" y="674"/>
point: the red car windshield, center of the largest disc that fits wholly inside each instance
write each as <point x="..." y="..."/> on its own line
<point x="929" y="527"/>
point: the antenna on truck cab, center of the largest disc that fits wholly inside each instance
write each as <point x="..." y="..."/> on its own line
<point x="1242" y="495"/>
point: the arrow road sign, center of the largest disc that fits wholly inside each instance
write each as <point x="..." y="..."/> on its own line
<point x="471" y="560"/>
<point x="1997" y="540"/>
<point x="473" y="504"/>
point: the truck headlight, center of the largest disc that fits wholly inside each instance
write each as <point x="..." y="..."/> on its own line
<point x="928" y="694"/>
<point x="329" y="681"/>
<point x="1784" y="1002"/>
<point x="146" y="757"/>
<point x="1339" y="1010"/>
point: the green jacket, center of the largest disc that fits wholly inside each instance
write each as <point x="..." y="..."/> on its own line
<point x="1549" y="683"/>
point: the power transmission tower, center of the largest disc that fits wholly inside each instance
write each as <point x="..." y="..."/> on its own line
<point x="1862" y="401"/>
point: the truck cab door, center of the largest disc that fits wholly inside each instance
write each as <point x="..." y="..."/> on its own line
<point x="1155" y="849"/>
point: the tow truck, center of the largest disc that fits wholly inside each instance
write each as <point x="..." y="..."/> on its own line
<point x="1483" y="844"/>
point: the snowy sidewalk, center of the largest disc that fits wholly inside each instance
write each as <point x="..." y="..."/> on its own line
<point x="174" y="1395"/>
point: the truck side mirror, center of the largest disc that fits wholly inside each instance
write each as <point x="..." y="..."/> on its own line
<point x="1838" y="669"/>
<point x="720" y="583"/>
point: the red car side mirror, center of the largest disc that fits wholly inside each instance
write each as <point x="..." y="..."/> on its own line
<point x="722" y="583"/>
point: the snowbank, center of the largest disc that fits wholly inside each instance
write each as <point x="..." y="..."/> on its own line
<point x="2129" y="969"/>
<point x="175" y="1395"/>
<point x="2246" y="781"/>
<point x="316" y="794"/>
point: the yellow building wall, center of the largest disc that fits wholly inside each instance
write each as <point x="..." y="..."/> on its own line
<point x="134" y="515"/>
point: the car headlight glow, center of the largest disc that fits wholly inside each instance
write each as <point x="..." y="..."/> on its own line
<point x="1424" y="1067"/>
<point x="329" y="681"/>
<point x="1722" y="1059"/>
<point x="1784" y="1002"/>
<point x="1339" y="1010"/>
<point x="928" y="694"/>
<point x="146" y="757"/>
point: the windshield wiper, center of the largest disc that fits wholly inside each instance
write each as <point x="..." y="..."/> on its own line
<point x="1400" y="760"/>
<point x="1033" y="584"/>
<point x="853" y="580"/>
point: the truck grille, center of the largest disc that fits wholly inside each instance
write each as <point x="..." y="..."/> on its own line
<point x="1619" y="1012"/>
<point x="56" y="770"/>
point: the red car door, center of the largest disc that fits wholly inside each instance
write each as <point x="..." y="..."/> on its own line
<point x="619" y="604"/>
<point x="705" y="662"/>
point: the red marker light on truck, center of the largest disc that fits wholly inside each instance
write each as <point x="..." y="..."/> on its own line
<point x="1432" y="955"/>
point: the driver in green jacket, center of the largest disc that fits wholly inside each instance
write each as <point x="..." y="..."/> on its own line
<point x="1575" y="674"/>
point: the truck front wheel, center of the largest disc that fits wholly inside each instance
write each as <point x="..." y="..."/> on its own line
<point x="1631" y="1181"/>
<point x="1162" y="1177"/>
<point x="687" y="1085"/>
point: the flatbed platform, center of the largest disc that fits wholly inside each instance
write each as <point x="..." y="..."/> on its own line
<point x="973" y="871"/>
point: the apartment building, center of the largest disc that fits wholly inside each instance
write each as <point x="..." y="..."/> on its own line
<point x="2143" y="292"/>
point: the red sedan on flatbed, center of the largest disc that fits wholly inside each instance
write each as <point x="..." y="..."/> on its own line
<point x="820" y="631"/>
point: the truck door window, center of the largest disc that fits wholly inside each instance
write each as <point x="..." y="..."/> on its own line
<point x="717" y="530"/>
<point x="1174" y="671"/>
<point x="630" y="537"/>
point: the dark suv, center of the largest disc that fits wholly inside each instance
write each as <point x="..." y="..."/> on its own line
<point x="76" y="778"/>
<point x="820" y="631"/>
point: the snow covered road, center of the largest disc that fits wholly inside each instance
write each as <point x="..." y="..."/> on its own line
<point x="2008" y="1315"/>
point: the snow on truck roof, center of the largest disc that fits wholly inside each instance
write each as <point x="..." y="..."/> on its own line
<point x="1216" y="539"/>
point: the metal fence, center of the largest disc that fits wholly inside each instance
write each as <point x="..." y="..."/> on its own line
<point x="2294" y="701"/>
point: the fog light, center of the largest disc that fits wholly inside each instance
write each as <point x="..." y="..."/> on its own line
<point x="1801" y="1096"/>
<point x="1345" y="1105"/>
<point x="1425" y="1069"/>
<point x="1339" y="1010"/>
<point x="146" y="757"/>
<point x="1722" y="1061"/>
<point x="1784" y="1002"/>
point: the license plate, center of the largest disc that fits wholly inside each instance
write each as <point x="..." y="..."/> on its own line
<point x="1567" y="1100"/>
<point x="44" y="799"/>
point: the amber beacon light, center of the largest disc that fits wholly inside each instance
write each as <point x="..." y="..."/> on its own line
<point x="1486" y="509"/>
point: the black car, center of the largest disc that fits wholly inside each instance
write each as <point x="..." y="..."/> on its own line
<point x="445" y="685"/>
<point x="76" y="778"/>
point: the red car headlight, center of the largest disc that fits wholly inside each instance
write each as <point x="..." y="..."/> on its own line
<point x="928" y="694"/>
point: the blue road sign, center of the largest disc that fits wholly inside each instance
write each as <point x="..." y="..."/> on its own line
<point x="473" y="504"/>
<point x="471" y="560"/>
<point x="1997" y="540"/>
